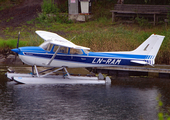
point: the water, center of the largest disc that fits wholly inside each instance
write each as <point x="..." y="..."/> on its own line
<point x="125" y="99"/>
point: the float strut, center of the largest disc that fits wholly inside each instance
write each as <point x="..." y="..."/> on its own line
<point x="36" y="70"/>
<point x="67" y="72"/>
<point x="32" y="70"/>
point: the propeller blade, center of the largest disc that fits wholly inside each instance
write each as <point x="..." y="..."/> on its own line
<point x="17" y="46"/>
<point x="18" y="39"/>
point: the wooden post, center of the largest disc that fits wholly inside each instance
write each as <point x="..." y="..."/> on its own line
<point x="113" y="16"/>
<point x="154" y="19"/>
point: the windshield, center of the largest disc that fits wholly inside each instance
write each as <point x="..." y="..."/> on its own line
<point x="46" y="46"/>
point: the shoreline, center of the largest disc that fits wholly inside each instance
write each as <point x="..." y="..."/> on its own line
<point x="10" y="60"/>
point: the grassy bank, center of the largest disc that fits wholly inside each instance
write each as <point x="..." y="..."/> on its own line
<point x="99" y="35"/>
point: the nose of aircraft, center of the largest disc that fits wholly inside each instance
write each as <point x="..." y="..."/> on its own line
<point x="16" y="50"/>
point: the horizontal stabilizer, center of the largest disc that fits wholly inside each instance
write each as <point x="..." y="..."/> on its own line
<point x="139" y="62"/>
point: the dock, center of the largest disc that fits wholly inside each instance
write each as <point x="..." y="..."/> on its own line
<point x="158" y="71"/>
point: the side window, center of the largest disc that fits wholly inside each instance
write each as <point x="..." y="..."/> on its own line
<point x="75" y="51"/>
<point x="55" y="48"/>
<point x="86" y="51"/>
<point x="63" y="50"/>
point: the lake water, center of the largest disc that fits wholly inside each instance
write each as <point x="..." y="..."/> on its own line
<point x="125" y="99"/>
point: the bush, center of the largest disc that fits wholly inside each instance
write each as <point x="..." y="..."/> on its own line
<point x="142" y="22"/>
<point x="49" y="6"/>
<point x="50" y="13"/>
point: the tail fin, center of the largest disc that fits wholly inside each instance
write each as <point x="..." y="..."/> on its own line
<point x="150" y="48"/>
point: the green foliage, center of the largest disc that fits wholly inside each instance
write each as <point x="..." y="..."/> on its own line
<point x="49" y="6"/>
<point x="51" y="18"/>
<point x="11" y="43"/>
<point x="107" y="39"/>
<point x="50" y="13"/>
<point x="142" y="22"/>
<point x="168" y="16"/>
<point x="63" y="8"/>
<point x="102" y="8"/>
<point x="162" y="115"/>
<point x="33" y="40"/>
<point x="30" y="22"/>
<point x="1" y="8"/>
<point x="9" y="19"/>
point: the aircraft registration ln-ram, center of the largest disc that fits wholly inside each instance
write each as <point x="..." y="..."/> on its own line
<point x="58" y="52"/>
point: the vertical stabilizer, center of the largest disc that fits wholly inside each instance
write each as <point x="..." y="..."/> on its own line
<point x="150" y="48"/>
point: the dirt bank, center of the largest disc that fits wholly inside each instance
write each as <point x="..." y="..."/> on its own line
<point x="15" y="16"/>
<point x="19" y="14"/>
<point x="9" y="58"/>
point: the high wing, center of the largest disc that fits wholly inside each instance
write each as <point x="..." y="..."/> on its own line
<point x="58" y="40"/>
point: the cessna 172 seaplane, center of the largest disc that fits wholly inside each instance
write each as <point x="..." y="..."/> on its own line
<point x="58" y="52"/>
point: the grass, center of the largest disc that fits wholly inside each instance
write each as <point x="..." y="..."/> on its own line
<point x="11" y="43"/>
<point x="99" y="36"/>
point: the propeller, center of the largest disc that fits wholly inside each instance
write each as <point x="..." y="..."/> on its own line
<point x="18" y="39"/>
<point x="16" y="50"/>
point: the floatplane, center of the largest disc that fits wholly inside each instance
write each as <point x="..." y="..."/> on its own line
<point x="57" y="53"/>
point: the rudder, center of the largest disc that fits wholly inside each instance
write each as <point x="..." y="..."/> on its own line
<point x="150" y="46"/>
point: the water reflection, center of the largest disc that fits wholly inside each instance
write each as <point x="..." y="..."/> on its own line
<point x="128" y="99"/>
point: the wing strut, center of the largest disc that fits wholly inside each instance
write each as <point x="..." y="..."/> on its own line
<point x="53" y="56"/>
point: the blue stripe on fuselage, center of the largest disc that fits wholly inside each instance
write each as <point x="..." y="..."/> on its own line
<point x="117" y="55"/>
<point x="92" y="57"/>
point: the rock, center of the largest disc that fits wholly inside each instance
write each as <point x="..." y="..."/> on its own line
<point x="10" y="59"/>
<point x="2" y="60"/>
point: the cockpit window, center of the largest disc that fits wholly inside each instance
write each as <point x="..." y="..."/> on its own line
<point x="75" y="51"/>
<point x="46" y="46"/>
